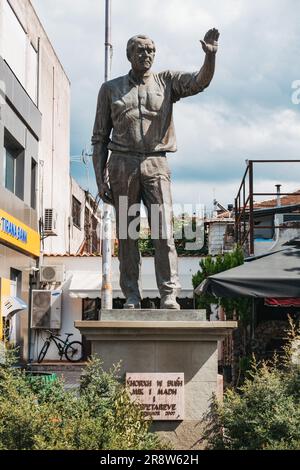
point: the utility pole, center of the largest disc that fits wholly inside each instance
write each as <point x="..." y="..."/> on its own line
<point x="106" y="290"/>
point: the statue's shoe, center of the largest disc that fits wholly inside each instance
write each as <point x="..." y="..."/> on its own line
<point x="132" y="302"/>
<point x="169" y="302"/>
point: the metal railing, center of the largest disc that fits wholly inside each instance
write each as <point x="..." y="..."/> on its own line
<point x="244" y="205"/>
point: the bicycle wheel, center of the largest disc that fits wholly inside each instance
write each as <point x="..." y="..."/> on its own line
<point x="74" y="351"/>
<point x="43" y="351"/>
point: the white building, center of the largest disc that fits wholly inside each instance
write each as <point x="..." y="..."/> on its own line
<point x="34" y="153"/>
<point x="25" y="47"/>
<point x="220" y="235"/>
<point x="85" y="222"/>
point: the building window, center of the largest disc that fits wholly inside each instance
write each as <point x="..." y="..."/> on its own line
<point x="14" y="43"/>
<point x="95" y="236"/>
<point x="76" y="212"/>
<point x="9" y="171"/>
<point x="18" y="52"/>
<point x="87" y="228"/>
<point x="33" y="184"/>
<point x="13" y="165"/>
<point x="32" y="73"/>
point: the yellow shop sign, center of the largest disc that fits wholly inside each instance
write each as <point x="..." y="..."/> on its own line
<point x="18" y="235"/>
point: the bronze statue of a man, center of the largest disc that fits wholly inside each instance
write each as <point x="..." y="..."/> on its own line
<point x="134" y="121"/>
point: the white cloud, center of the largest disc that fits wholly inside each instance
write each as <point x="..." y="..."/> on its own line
<point x="214" y="141"/>
<point x="246" y="113"/>
<point x="203" y="193"/>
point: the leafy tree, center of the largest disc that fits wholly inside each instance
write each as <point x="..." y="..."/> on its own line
<point x="146" y="246"/>
<point x="180" y="224"/>
<point x="210" y="266"/>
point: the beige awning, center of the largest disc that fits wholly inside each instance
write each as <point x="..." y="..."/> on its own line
<point x="87" y="284"/>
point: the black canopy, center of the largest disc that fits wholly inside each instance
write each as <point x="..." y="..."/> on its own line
<point x="276" y="274"/>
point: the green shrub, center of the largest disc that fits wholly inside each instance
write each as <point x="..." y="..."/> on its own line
<point x="264" y="413"/>
<point x="43" y="416"/>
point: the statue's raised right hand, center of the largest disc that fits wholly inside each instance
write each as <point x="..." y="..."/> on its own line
<point x="210" y="41"/>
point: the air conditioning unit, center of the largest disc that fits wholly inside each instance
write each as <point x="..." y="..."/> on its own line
<point x="52" y="273"/>
<point x="50" y="218"/>
<point x="46" y="309"/>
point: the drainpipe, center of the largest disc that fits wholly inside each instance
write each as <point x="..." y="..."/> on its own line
<point x="32" y="285"/>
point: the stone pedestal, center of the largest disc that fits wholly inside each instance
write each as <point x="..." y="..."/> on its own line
<point x="165" y="341"/>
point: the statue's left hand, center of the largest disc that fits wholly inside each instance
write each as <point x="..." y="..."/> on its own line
<point x="210" y="41"/>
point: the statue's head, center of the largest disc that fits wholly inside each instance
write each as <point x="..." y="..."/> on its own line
<point x="141" y="53"/>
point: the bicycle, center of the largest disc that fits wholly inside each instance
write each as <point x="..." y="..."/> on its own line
<point x="73" y="351"/>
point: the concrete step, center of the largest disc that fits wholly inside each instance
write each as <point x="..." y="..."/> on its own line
<point x="53" y="366"/>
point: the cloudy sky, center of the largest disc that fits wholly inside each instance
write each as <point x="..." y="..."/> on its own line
<point x="246" y="113"/>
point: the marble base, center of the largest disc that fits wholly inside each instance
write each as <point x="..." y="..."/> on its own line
<point x="165" y="341"/>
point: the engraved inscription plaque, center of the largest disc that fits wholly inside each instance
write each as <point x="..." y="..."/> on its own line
<point x="159" y="396"/>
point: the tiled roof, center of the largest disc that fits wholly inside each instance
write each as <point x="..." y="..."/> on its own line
<point x="224" y="215"/>
<point x="285" y="201"/>
<point x="68" y="255"/>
